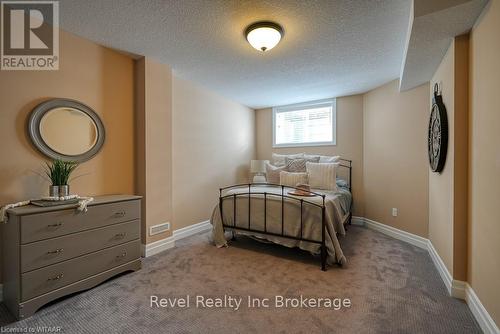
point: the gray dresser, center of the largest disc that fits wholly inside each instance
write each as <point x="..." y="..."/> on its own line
<point x="50" y="252"/>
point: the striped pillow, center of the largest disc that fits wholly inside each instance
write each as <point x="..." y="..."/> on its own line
<point x="322" y="175"/>
<point x="292" y="179"/>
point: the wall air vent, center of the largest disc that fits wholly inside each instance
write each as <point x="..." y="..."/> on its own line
<point x="160" y="228"/>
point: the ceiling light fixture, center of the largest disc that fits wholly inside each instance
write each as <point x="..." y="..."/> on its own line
<point x="264" y="35"/>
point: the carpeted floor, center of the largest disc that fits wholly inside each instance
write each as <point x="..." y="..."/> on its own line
<point x="393" y="288"/>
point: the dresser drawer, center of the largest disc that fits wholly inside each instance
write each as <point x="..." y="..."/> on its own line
<point x="57" y="223"/>
<point x="50" y="278"/>
<point x="43" y="253"/>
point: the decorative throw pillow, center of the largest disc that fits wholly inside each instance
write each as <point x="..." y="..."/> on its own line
<point x="311" y="156"/>
<point x="322" y="158"/>
<point x="322" y="175"/>
<point x="273" y="173"/>
<point x="279" y="159"/>
<point x="329" y="159"/>
<point x="292" y="179"/>
<point x="298" y="165"/>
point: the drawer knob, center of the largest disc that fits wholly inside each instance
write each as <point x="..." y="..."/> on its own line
<point x="56" y="278"/>
<point x="120" y="235"/>
<point x="119" y="214"/>
<point x="56" y="251"/>
<point x="55" y="225"/>
<point x="121" y="256"/>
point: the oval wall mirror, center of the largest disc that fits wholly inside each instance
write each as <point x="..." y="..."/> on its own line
<point x="66" y="129"/>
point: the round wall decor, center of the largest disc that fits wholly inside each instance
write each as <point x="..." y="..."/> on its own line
<point x="438" y="133"/>
<point x="66" y="129"/>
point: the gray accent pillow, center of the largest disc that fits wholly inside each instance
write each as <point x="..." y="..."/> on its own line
<point x="278" y="160"/>
<point x="299" y="165"/>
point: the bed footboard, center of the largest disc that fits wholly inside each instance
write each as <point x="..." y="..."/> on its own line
<point x="282" y="196"/>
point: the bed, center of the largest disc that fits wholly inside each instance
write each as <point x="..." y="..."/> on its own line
<point x="268" y="212"/>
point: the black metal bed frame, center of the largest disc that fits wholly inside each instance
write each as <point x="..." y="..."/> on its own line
<point x="343" y="163"/>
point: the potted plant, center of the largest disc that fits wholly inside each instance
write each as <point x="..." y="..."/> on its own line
<point x="59" y="172"/>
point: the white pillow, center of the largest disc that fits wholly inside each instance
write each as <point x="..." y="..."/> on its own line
<point x="312" y="156"/>
<point x="273" y="173"/>
<point x="329" y="159"/>
<point x="292" y="179"/>
<point x="322" y="175"/>
<point x="279" y="159"/>
<point x="323" y="158"/>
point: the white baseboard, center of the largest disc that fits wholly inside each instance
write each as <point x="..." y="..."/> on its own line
<point x="440" y="266"/>
<point x="158" y="246"/>
<point x="169" y="242"/>
<point x="456" y="288"/>
<point x="482" y="316"/>
<point x="395" y="233"/>
<point x="360" y="221"/>
<point x="192" y="229"/>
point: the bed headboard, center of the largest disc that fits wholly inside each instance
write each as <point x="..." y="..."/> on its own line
<point x="346" y="171"/>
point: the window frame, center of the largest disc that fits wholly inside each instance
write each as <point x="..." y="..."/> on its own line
<point x="307" y="105"/>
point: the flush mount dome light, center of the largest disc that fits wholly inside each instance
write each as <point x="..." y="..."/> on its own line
<point x="264" y="35"/>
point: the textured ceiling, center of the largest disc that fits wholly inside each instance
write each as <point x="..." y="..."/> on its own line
<point x="432" y="27"/>
<point x="330" y="48"/>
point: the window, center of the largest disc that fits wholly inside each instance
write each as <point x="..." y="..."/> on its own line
<point x="305" y="124"/>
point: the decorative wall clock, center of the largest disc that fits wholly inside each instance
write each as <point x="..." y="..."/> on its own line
<point x="438" y="132"/>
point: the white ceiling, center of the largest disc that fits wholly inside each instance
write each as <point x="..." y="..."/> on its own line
<point x="330" y="48"/>
<point x="432" y="27"/>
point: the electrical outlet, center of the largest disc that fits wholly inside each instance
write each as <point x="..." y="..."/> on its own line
<point x="394" y="212"/>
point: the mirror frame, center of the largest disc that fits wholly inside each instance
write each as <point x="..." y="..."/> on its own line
<point x="36" y="138"/>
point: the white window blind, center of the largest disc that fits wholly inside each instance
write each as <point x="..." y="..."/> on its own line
<point x="305" y="124"/>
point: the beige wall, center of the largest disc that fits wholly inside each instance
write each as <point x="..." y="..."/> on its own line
<point x="153" y="90"/>
<point x="460" y="169"/>
<point x="484" y="174"/>
<point x="349" y="141"/>
<point x="68" y="131"/>
<point x="94" y="75"/>
<point x="395" y="157"/>
<point x="448" y="189"/>
<point x="200" y="141"/>
<point x="441" y="184"/>
<point x="213" y="143"/>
